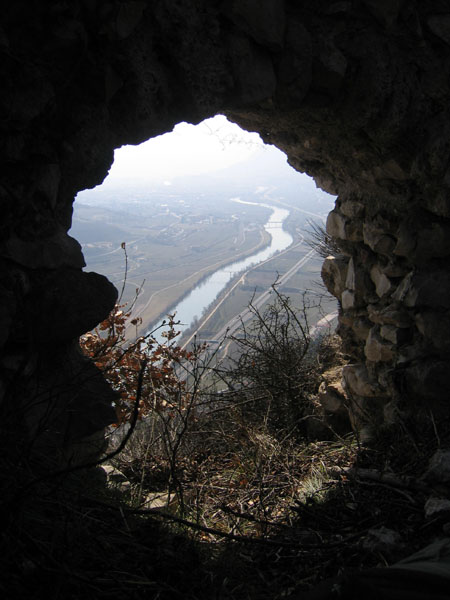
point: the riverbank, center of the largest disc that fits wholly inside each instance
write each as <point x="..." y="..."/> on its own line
<point x="205" y="294"/>
<point x="165" y="300"/>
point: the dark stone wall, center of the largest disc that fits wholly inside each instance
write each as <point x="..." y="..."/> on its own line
<point x="355" y="92"/>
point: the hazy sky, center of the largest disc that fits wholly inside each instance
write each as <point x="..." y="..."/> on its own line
<point x="188" y="150"/>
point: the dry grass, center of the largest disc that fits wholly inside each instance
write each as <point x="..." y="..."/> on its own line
<point x="260" y="517"/>
<point x="255" y="509"/>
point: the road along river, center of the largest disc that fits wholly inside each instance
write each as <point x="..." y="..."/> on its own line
<point x="193" y="305"/>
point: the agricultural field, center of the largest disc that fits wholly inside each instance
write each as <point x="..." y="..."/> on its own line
<point x="172" y="242"/>
<point x="177" y="233"/>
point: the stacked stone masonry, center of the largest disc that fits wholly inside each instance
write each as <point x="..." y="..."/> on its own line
<point x="355" y="92"/>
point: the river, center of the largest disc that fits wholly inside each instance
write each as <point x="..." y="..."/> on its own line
<point x="198" y="299"/>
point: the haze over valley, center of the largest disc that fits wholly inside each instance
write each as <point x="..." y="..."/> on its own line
<point x="179" y="230"/>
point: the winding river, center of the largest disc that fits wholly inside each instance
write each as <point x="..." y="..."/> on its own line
<point x="198" y="299"/>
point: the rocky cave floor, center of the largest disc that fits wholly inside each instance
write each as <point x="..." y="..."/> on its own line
<point x="372" y="507"/>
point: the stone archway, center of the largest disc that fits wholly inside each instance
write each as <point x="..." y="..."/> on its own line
<point x="355" y="93"/>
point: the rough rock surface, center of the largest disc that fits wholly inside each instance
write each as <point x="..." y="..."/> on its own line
<point x="439" y="467"/>
<point x="436" y="507"/>
<point x="356" y="93"/>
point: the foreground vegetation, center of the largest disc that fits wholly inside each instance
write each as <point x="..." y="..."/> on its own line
<point x="230" y="483"/>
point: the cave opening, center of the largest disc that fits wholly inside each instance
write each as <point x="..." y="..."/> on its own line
<point x="356" y="94"/>
<point x="195" y="208"/>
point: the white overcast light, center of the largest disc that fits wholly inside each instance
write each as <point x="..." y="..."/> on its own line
<point x="188" y="150"/>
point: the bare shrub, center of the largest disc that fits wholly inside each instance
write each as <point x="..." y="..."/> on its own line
<point x="221" y="441"/>
<point x="322" y="242"/>
<point x="276" y="368"/>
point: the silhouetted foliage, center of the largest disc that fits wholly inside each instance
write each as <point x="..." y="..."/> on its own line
<point x="276" y="367"/>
